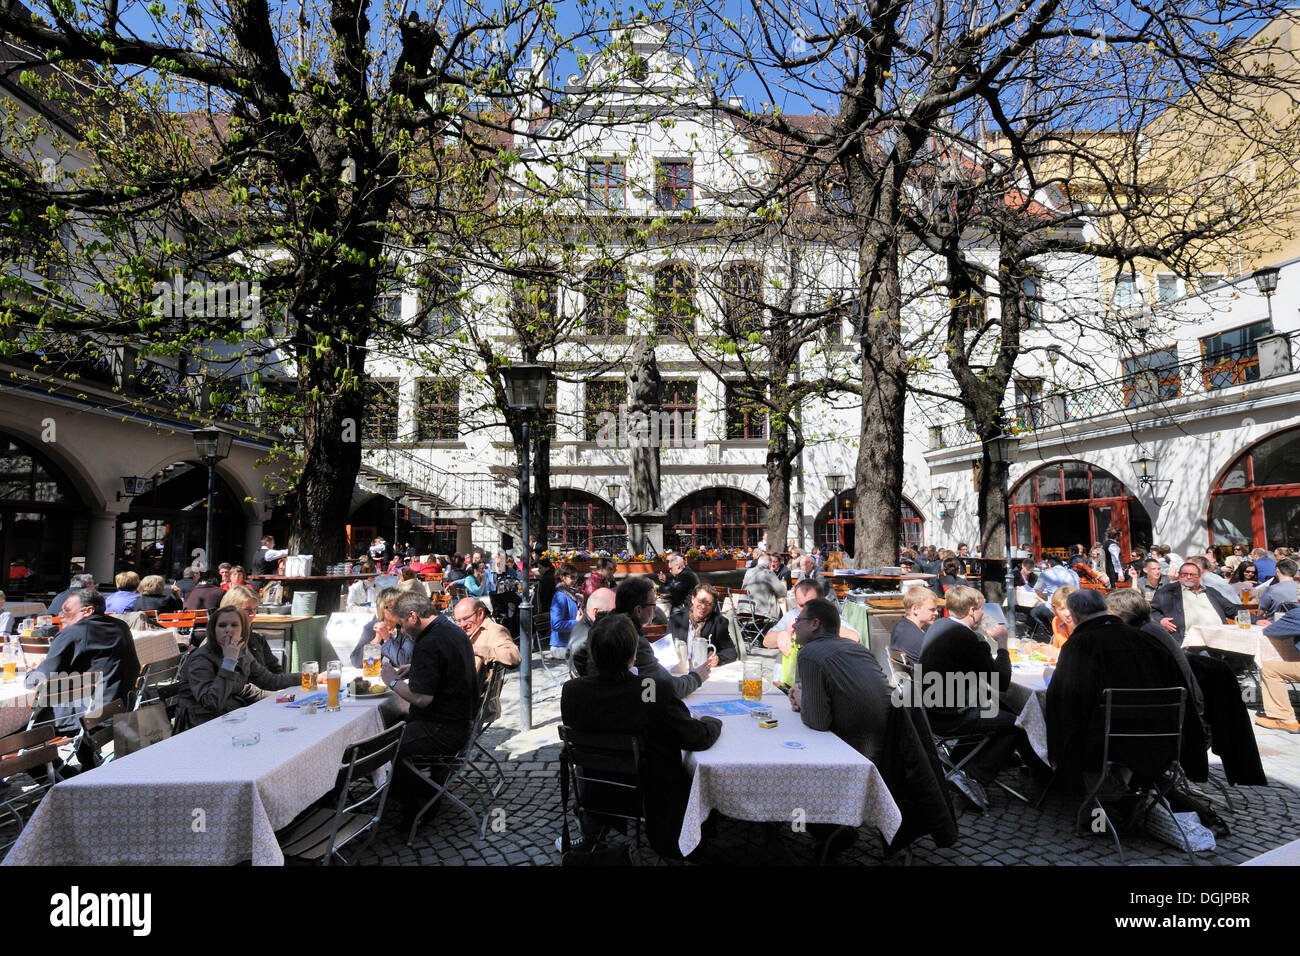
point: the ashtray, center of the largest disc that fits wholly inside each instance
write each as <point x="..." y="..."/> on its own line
<point x="235" y="717"/>
<point x="246" y="740"/>
<point x="761" y="713"/>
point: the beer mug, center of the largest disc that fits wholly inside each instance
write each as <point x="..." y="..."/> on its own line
<point x="1243" y="619"/>
<point x="309" y="671"/>
<point x="699" y="650"/>
<point x="333" y="684"/>
<point x="371" y="660"/>
<point x="751" y="687"/>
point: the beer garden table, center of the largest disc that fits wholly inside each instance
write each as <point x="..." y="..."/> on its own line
<point x="749" y="773"/>
<point x="195" y="799"/>
<point x="1250" y="641"/>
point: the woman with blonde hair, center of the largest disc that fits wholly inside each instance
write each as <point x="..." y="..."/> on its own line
<point x="154" y="596"/>
<point x="1062" y="622"/>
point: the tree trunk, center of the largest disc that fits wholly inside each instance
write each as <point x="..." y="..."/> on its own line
<point x="878" y="477"/>
<point x="779" y="469"/>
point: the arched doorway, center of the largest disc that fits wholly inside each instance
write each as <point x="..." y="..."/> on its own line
<point x="582" y="522"/>
<point x="911" y="528"/>
<point x="44" y="527"/>
<point x="716" y="518"/>
<point x="1072" y="502"/>
<point x="1257" y="501"/>
<point x="168" y="523"/>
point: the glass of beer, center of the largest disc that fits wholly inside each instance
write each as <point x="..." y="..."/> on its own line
<point x="1243" y="619"/>
<point x="309" y="672"/>
<point x="10" y="664"/>
<point x="370" y="666"/>
<point x="333" y="683"/>
<point x="752" y="683"/>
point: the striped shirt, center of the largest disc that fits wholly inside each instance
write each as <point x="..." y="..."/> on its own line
<point x="844" y="691"/>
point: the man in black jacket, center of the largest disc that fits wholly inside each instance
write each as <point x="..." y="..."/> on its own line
<point x="1104" y="652"/>
<point x="615" y="701"/>
<point x="679" y="583"/>
<point x="1186" y="603"/>
<point x="635" y="599"/>
<point x="89" y="642"/>
<point x="701" y="620"/>
<point x="961" y="682"/>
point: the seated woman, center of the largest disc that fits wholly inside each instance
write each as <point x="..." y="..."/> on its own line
<point x="1246" y="578"/>
<point x="564" y="611"/>
<point x="127" y="594"/>
<point x="154" y="596"/>
<point x="221" y="675"/>
<point x="951" y="577"/>
<point x="410" y="581"/>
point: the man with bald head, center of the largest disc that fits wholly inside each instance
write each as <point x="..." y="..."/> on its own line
<point x="491" y="641"/>
<point x="601" y="601"/>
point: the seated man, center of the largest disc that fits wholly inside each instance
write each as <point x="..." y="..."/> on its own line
<point x="616" y="701"/>
<point x="765" y="591"/>
<point x="702" y="620"/>
<point x="1281" y="594"/>
<point x="920" y="608"/>
<point x="1186" y="603"/>
<point x="781" y="636"/>
<point x="442" y="694"/>
<point x="599" y="602"/>
<point x="635" y="599"/>
<point x="89" y="642"/>
<point x="1278" y="712"/>
<point x="960" y="674"/>
<point x="1104" y="652"/>
<point x="679" y="583"/>
<point x="841" y="687"/>
<point x="491" y="641"/>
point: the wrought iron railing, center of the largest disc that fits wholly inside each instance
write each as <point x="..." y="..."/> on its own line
<point x="1142" y="389"/>
<point x="474" y="492"/>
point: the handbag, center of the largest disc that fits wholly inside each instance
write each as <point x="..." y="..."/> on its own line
<point x="140" y="728"/>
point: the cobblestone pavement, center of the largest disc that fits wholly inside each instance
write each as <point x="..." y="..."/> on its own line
<point x="524" y="822"/>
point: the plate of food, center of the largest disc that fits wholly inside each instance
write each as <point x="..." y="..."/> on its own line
<point x="362" y="689"/>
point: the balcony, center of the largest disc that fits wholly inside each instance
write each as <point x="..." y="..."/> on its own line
<point x="1149" y="390"/>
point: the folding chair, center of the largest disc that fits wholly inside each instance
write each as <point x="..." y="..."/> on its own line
<point x="22" y="753"/>
<point x="422" y="766"/>
<point x="338" y="818"/>
<point x="158" y="682"/>
<point x="752" y="626"/>
<point x="540" y="642"/>
<point x="738" y="639"/>
<point x="604" y="771"/>
<point x="489" y="711"/>
<point x="1143" y="726"/>
<point x="949" y="745"/>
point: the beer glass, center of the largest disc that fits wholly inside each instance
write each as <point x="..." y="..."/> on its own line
<point x="309" y="672"/>
<point x="699" y="650"/>
<point x="752" y="683"/>
<point x="10" y="660"/>
<point x="370" y="667"/>
<point x="333" y="683"/>
<point x="1243" y="619"/>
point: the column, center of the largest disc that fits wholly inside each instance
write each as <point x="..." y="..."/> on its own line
<point x="101" y="545"/>
<point x="464" y="535"/>
<point x="253" y="538"/>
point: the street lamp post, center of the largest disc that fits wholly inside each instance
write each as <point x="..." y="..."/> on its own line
<point x="211" y="445"/>
<point x="1004" y="449"/>
<point x="1266" y="282"/>
<point x="395" y="491"/>
<point x="836" y="485"/>
<point x="614" y="489"/>
<point x="525" y="392"/>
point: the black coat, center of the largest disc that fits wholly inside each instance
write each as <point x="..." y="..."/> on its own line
<point x="617" y="705"/>
<point x="1232" y="736"/>
<point x="1168" y="602"/>
<point x="99" y="643"/>
<point x="678" y="588"/>
<point x="715" y="630"/>
<point x="1105" y="652"/>
<point x="914" y="776"/>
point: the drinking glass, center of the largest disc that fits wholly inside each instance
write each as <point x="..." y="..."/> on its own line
<point x="752" y="683"/>
<point x="699" y="651"/>
<point x="1243" y="619"/>
<point x="370" y="666"/>
<point x="309" y="672"/>
<point x="333" y="682"/>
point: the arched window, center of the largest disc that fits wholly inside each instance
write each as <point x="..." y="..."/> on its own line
<point x="716" y="518"/>
<point x="43" y="525"/>
<point x="1073" y="502"/>
<point x="164" y="526"/>
<point x="1257" y="501"/>
<point x="911" y="527"/>
<point x="674" y="299"/>
<point x="581" y="521"/>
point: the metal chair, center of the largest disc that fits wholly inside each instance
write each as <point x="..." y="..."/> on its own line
<point x="489" y="711"/>
<point x="339" y="818"/>
<point x="540" y="642"/>
<point x="752" y="626"/>
<point x="158" y="682"/>
<point x="604" y="772"/>
<point x="22" y="753"/>
<point x="423" y="766"/>
<point x="1142" y="725"/>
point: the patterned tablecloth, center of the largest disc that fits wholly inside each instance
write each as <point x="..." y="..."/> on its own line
<point x="749" y="774"/>
<point x="15" y="705"/>
<point x="1028" y="691"/>
<point x="196" y="799"/>
<point x="1229" y="637"/>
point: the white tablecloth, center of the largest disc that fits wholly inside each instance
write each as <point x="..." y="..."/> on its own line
<point x="1229" y="637"/>
<point x="749" y="775"/>
<point x="15" y="705"/>
<point x="196" y="799"/>
<point x="1029" y="680"/>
